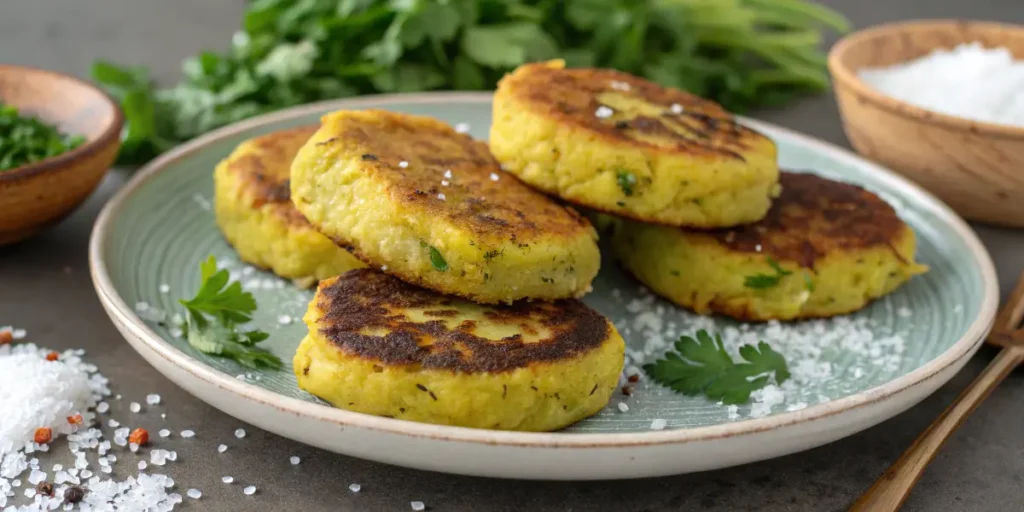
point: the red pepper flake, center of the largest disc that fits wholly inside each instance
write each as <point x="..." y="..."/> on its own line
<point x="627" y="390"/>
<point x="633" y="378"/>
<point x="43" y="435"/>
<point x="75" y="420"/>
<point x="139" y="436"/>
<point x="6" y="337"/>
<point x="52" y="356"/>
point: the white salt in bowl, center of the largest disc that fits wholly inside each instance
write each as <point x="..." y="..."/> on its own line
<point x="976" y="167"/>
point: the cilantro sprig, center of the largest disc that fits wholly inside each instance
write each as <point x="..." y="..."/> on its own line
<point x="701" y="365"/>
<point x="213" y="319"/>
<point x="762" y="281"/>
<point x="741" y="53"/>
<point x="626" y="181"/>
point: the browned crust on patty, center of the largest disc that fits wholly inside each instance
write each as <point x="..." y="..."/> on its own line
<point x="572" y="97"/>
<point x="813" y="217"/>
<point x="505" y="209"/>
<point x="264" y="169"/>
<point x="366" y="299"/>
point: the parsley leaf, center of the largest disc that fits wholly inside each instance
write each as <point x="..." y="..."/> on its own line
<point x="437" y="260"/>
<point x="626" y="181"/>
<point x="762" y="281"/>
<point x="213" y="317"/>
<point x="702" y="366"/>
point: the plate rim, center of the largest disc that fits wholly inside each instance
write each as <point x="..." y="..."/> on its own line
<point x="117" y="307"/>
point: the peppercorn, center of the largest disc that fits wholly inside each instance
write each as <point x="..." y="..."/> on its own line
<point x="73" y="494"/>
<point x="52" y="356"/>
<point x="627" y="390"/>
<point x="45" y="488"/>
<point x="633" y="378"/>
<point x="43" y="435"/>
<point x="6" y="337"/>
<point x="139" y="436"/>
<point x="75" y="420"/>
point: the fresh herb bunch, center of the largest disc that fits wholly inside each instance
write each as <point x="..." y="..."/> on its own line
<point x="741" y="53"/>
<point x="25" y="139"/>
<point x="701" y="365"/>
<point x="214" y="314"/>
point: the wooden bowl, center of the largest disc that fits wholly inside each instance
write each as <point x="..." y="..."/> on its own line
<point x="35" y="196"/>
<point x="975" y="167"/>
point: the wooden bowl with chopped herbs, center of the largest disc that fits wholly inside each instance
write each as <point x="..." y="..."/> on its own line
<point x="58" y="137"/>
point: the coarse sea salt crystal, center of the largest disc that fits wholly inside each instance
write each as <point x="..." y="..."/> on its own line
<point x="294" y="460"/>
<point x="354" y="487"/>
<point x="135" y="407"/>
<point x="240" y="433"/>
<point x="968" y="81"/>
<point x="462" y="127"/>
<point x="153" y="399"/>
<point x="187" y="434"/>
<point x="222" y="448"/>
<point x="165" y="288"/>
<point x="227" y="479"/>
<point x="102" y="407"/>
<point x="164" y="432"/>
<point x="417" y="505"/>
<point x="623" y="407"/>
<point x="194" y="494"/>
<point x="250" y="490"/>
<point x="603" y="112"/>
<point x="403" y="164"/>
<point x="659" y="424"/>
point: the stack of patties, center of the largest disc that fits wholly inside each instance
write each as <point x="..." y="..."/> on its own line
<point x="695" y="195"/>
<point x="468" y="314"/>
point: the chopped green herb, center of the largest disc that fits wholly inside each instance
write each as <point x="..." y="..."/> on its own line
<point x="437" y="260"/>
<point x="702" y="366"/>
<point x="213" y="317"/>
<point x="26" y="140"/>
<point x="809" y="282"/>
<point x="762" y="281"/>
<point x="740" y="53"/>
<point x="626" y="181"/>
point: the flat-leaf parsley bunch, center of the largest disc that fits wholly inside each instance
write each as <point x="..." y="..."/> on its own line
<point x="741" y="53"/>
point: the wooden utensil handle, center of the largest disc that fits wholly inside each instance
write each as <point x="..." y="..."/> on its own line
<point x="892" y="488"/>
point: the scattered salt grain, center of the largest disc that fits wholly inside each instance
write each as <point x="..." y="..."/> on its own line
<point x="284" y="319"/>
<point x="134" y="447"/>
<point x="417" y="505"/>
<point x="102" y="407"/>
<point x="905" y="311"/>
<point x="403" y="164"/>
<point x="142" y="465"/>
<point x="968" y="81"/>
<point x="765" y="399"/>
<point x="165" y="288"/>
<point x="495" y="177"/>
<point x="164" y="432"/>
<point x="448" y="173"/>
<point x="623" y="407"/>
<point x="445" y="183"/>
<point x="294" y="460"/>
<point x="440" y="196"/>
<point x="172" y="456"/>
<point x="796" y="407"/>
<point x="383" y="268"/>
<point x="354" y="487"/>
<point x="153" y="399"/>
<point x="603" y="112"/>
<point x="135" y="407"/>
<point x="658" y="424"/>
<point x="227" y="479"/>
<point x="194" y="494"/>
<point x="462" y="128"/>
<point x="676" y="108"/>
<point x="249" y="491"/>
<point x="113" y="423"/>
<point x="158" y="457"/>
<point x="222" y="448"/>
<point x="187" y="434"/>
<point x="619" y="86"/>
<point x="240" y="433"/>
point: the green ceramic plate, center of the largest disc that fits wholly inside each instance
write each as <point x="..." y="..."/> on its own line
<point x="848" y="373"/>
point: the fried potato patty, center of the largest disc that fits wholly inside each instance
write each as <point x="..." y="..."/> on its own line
<point x="254" y="211"/>
<point x="378" y="345"/>
<point x="623" y="145"/>
<point x="826" y="248"/>
<point x="409" y="195"/>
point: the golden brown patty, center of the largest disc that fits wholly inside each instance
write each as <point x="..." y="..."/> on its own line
<point x="381" y="346"/>
<point x="431" y="206"/>
<point x="825" y="248"/>
<point x="624" y="145"/>
<point x="256" y="215"/>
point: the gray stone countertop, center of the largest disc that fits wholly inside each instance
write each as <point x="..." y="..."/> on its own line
<point x="45" y="288"/>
